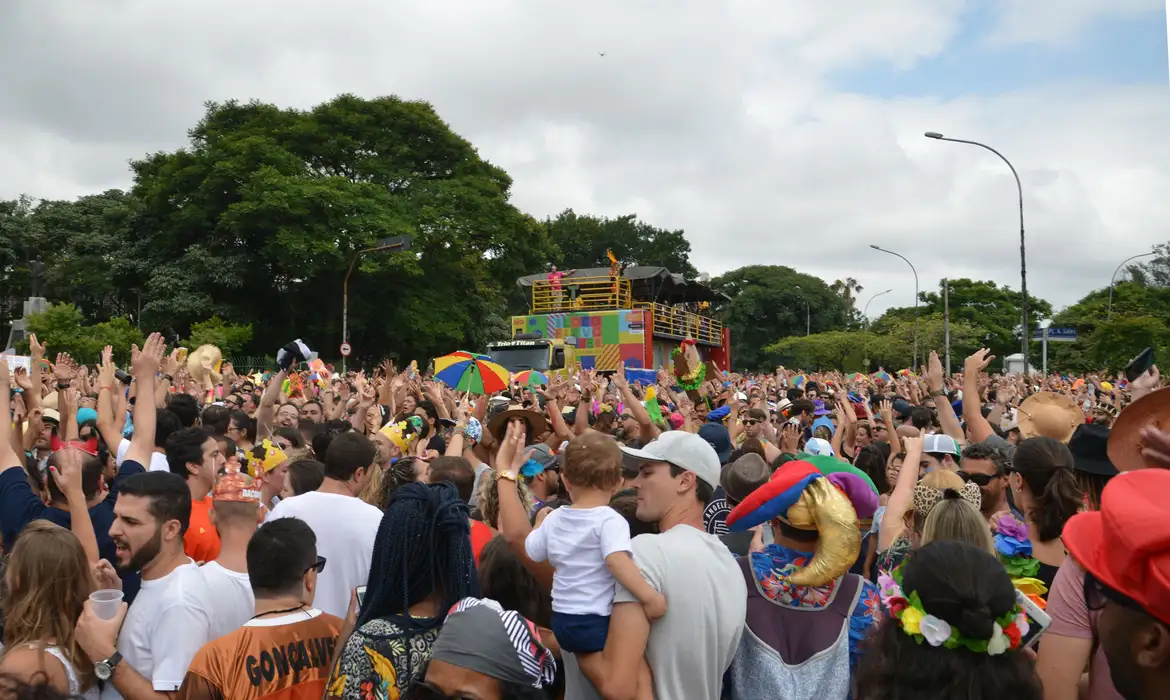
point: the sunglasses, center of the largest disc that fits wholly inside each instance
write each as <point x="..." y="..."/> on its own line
<point x="751" y="421"/>
<point x="318" y="565"/>
<point x="977" y="479"/>
<point x="423" y="690"/>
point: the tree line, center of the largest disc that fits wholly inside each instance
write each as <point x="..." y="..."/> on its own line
<point x="244" y="237"/>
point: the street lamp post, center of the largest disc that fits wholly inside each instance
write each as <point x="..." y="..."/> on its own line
<point x="915" y="295"/>
<point x="1025" y="331"/>
<point x="865" y="313"/>
<point x="386" y="244"/>
<point x="807" y="312"/>
<point x="1109" y="313"/>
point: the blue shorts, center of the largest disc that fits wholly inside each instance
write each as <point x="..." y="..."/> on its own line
<point x="580" y="634"/>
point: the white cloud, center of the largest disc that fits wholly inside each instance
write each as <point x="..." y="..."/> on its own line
<point x="1059" y="22"/>
<point x="711" y="117"/>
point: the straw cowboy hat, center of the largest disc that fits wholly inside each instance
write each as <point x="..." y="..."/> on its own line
<point x="536" y="421"/>
<point x="1048" y="414"/>
<point x="1125" y="439"/>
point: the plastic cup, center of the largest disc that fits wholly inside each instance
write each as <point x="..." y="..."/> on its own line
<point x="106" y="603"/>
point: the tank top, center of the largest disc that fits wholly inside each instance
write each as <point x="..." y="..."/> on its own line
<point x="71" y="673"/>
<point x="791" y="652"/>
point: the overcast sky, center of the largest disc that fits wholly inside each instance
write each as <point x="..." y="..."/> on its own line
<point x="772" y="131"/>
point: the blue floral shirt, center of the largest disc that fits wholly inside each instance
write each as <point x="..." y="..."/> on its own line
<point x="775" y="562"/>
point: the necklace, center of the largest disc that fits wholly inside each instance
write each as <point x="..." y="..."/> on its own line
<point x="278" y="612"/>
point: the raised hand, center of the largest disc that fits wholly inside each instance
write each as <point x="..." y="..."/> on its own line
<point x="978" y="361"/>
<point x="146" y="361"/>
<point x="36" y="349"/>
<point x="65" y="368"/>
<point x="67" y="473"/>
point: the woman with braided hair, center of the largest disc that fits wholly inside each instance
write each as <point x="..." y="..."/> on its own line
<point x="422" y="565"/>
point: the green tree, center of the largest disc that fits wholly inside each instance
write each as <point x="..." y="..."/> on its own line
<point x="866" y="351"/>
<point x="62" y="328"/>
<point x="767" y="303"/>
<point x="229" y="338"/>
<point x="1107" y="341"/>
<point x="263" y="213"/>
<point x="992" y="309"/>
<point x="583" y="241"/>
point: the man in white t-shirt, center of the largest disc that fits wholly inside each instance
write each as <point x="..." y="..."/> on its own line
<point x="235" y="513"/>
<point x="690" y="647"/>
<point x="345" y="525"/>
<point x="166" y="423"/>
<point x="169" y="621"/>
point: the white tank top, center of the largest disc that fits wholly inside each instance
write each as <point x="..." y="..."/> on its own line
<point x="74" y="684"/>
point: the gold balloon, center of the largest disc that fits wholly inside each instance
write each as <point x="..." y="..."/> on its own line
<point x="822" y="507"/>
<point x="204" y="364"/>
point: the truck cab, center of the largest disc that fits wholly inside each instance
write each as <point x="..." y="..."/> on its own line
<point x="525" y="352"/>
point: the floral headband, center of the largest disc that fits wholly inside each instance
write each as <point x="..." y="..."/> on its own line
<point x="927" y="497"/>
<point x="913" y="619"/>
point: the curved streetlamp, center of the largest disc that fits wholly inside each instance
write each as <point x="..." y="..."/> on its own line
<point x="1109" y="313"/>
<point x="1025" y="332"/>
<point x="915" y="296"/>
<point x="865" y="313"/>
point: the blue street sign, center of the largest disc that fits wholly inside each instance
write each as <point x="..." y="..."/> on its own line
<point x="1057" y="335"/>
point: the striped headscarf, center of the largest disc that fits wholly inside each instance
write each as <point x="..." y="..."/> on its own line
<point x="481" y="636"/>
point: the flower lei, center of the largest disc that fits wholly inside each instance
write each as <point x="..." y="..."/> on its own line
<point x="694" y="380"/>
<point x="1008" y="629"/>
<point x="1014" y="548"/>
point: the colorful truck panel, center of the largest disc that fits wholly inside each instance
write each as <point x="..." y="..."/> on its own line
<point x="602" y="338"/>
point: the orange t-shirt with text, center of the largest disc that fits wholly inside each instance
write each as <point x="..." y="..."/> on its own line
<point x="201" y="542"/>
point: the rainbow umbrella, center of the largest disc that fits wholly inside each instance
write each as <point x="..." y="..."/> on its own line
<point x="530" y="378"/>
<point x="882" y="375"/>
<point x="856" y="377"/>
<point x="471" y="372"/>
<point x="798" y="380"/>
<point x="906" y="373"/>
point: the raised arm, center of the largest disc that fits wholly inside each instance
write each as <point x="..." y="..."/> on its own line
<point x="145" y="365"/>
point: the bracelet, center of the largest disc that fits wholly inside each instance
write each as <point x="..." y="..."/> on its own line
<point x="167" y="377"/>
<point x="103" y="387"/>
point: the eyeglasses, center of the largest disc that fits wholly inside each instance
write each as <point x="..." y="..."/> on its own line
<point x="318" y="565"/>
<point x="977" y="479"/>
<point x="423" y="690"/>
<point x="751" y="421"/>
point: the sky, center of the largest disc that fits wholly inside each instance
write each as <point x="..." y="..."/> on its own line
<point x="771" y="131"/>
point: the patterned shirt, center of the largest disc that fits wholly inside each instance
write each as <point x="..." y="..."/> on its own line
<point x="774" y="562"/>
<point x="379" y="661"/>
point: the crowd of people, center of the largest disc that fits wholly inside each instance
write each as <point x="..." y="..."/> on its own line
<point x="182" y="530"/>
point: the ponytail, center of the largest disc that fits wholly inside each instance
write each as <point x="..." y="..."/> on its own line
<point x="1046" y="467"/>
<point x="1061" y="499"/>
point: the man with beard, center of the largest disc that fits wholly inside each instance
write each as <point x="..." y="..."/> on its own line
<point x="986" y="465"/>
<point x="145" y="650"/>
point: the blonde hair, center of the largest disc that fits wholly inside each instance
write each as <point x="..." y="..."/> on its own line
<point x="372" y="489"/>
<point x="47" y="582"/>
<point x="487" y="498"/>
<point x="956" y="519"/>
<point x="940" y="480"/>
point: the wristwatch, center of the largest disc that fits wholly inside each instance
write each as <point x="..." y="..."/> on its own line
<point x="104" y="670"/>
<point x="508" y="474"/>
<point x="938" y="393"/>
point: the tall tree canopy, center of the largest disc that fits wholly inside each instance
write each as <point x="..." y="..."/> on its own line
<point x="767" y="302"/>
<point x="981" y="304"/>
<point x="583" y="242"/>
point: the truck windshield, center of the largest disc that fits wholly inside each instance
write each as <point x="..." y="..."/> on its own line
<point x="520" y="359"/>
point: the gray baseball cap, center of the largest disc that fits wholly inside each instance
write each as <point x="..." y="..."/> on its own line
<point x="683" y="450"/>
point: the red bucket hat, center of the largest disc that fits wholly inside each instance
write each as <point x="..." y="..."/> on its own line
<point x="1126" y="545"/>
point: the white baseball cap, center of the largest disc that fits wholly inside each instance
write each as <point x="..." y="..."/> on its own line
<point x="683" y="450"/>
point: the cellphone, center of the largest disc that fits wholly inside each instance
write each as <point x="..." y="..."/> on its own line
<point x="122" y="376"/>
<point x="1038" y="621"/>
<point x="361" y="596"/>
<point x="1140" y="364"/>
